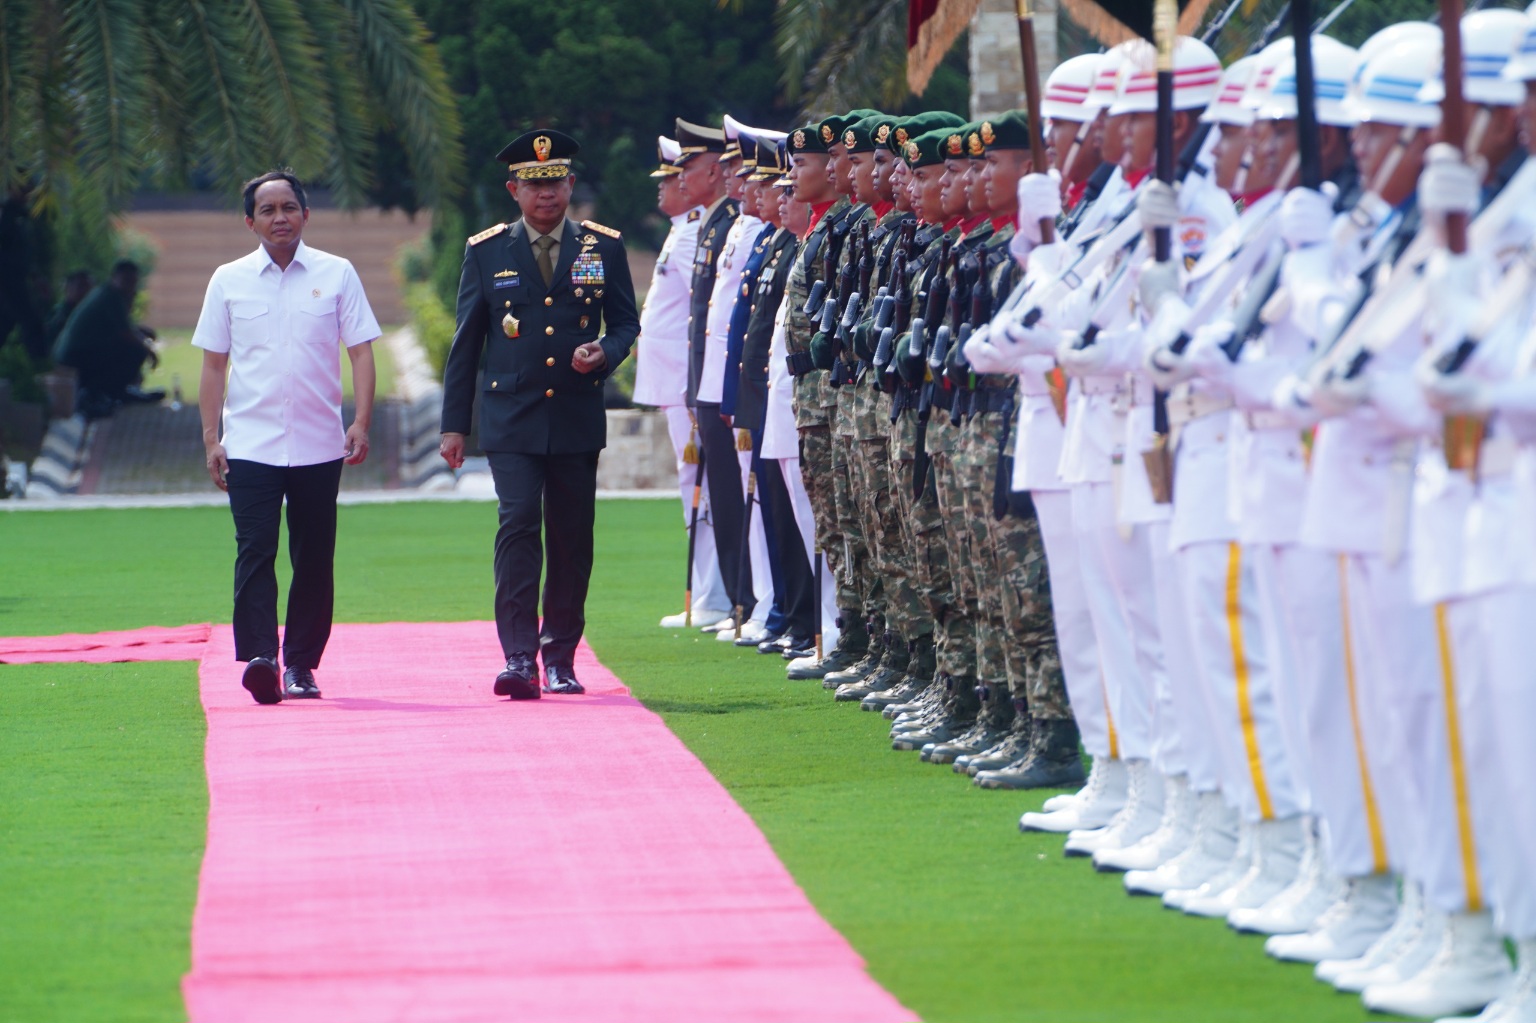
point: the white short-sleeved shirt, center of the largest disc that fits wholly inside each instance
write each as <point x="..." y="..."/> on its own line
<point x="281" y="329"/>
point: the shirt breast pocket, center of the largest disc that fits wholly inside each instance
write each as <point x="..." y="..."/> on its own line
<point x="250" y="323"/>
<point x="316" y="322"/>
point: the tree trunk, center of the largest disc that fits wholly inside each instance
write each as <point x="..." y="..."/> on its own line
<point x="997" y="70"/>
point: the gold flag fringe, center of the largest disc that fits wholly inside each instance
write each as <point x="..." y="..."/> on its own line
<point x="743" y="440"/>
<point x="935" y="38"/>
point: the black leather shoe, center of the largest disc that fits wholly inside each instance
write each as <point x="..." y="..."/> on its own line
<point x="773" y="644"/>
<point x="747" y="640"/>
<point x="559" y="679"/>
<point x="260" y="680"/>
<point x="517" y="678"/>
<point x="799" y="646"/>
<point x="299" y="684"/>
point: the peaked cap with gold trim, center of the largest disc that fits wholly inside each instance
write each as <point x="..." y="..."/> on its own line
<point x="539" y="154"/>
<point x="698" y="138"/>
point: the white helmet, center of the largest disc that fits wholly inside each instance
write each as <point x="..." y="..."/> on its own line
<point x="1522" y="66"/>
<point x="1333" y="68"/>
<point x="1386" y="88"/>
<point x="1400" y="32"/>
<point x="1068" y="88"/>
<point x="1263" y="80"/>
<point x="1106" y="76"/>
<point x="1196" y="71"/>
<point x="1488" y="40"/>
<point x="1227" y="107"/>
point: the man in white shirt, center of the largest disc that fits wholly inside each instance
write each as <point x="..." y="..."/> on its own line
<point x="271" y="321"/>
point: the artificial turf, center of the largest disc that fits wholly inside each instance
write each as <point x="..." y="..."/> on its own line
<point x="957" y="914"/>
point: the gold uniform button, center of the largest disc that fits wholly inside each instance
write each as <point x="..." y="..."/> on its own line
<point x="549" y="300"/>
<point x="549" y="330"/>
<point x="549" y="394"/>
<point x="549" y="361"/>
<point x="493" y="385"/>
<point x="509" y="303"/>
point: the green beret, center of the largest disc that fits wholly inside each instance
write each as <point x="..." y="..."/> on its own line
<point x="807" y="140"/>
<point x="928" y="149"/>
<point x="869" y="134"/>
<point x="911" y="127"/>
<point x="1006" y="131"/>
<point x="832" y="128"/>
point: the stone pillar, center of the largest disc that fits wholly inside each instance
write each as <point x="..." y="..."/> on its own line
<point x="997" y="75"/>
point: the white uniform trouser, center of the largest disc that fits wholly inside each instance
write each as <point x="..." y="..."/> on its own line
<point x="1298" y="607"/>
<point x="1503" y="705"/>
<point x="757" y="549"/>
<point x="805" y="518"/>
<point x="1074" y="625"/>
<point x="1397" y="672"/>
<point x="1181" y="728"/>
<point x="1117" y="580"/>
<point x="708" y="587"/>
<point x="1222" y="607"/>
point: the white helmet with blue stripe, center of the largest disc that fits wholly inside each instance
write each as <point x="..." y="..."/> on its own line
<point x="1387" y="86"/>
<point x="1333" y="68"/>
<point x="1488" y="41"/>
<point x="1522" y="66"/>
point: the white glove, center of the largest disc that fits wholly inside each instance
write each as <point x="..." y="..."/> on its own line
<point x="1450" y="293"/>
<point x="1448" y="184"/>
<point x="1455" y="393"/>
<point x="1351" y="233"/>
<point x="1206" y="356"/>
<point x="1337" y="395"/>
<point x="1039" y="199"/>
<point x="1079" y="362"/>
<point x="1158" y="204"/>
<point x="1167" y="368"/>
<point x="1306" y="218"/>
<point x="1011" y="334"/>
<point x="1158" y="283"/>
<point x="1292" y="394"/>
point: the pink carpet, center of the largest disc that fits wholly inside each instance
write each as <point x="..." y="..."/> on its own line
<point x="412" y="848"/>
<point x="155" y="643"/>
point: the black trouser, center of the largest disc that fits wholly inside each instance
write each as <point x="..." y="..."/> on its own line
<point x="797" y="598"/>
<point x="558" y="492"/>
<point x="111" y="368"/>
<point x="256" y="493"/>
<point x="726" y="500"/>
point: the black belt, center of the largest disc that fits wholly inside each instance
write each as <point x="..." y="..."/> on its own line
<point x="799" y="363"/>
<point x="942" y="397"/>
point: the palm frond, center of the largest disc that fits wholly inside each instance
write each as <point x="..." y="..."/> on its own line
<point x="106" y="53"/>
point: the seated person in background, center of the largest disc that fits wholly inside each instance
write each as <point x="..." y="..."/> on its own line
<point x="76" y="286"/>
<point x="106" y="349"/>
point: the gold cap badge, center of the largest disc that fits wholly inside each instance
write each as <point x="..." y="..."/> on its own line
<point x="850" y="139"/>
<point x="988" y="136"/>
<point x="541" y="148"/>
<point x="800" y="139"/>
<point x="973" y="144"/>
<point x="826" y="134"/>
<point x="955" y="144"/>
<point x="882" y="133"/>
<point x="913" y="152"/>
<point x="901" y="136"/>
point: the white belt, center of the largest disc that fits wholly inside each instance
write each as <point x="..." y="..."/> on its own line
<point x="1497" y="457"/>
<point x="1098" y="385"/>
<point x="1140" y="390"/>
<point x="1268" y="419"/>
<point x="1194" y="405"/>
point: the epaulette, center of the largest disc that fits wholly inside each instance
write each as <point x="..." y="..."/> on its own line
<point x="600" y="229"/>
<point x="490" y="232"/>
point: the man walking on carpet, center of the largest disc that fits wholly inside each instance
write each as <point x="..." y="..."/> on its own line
<point x="533" y="298"/>
<point x="271" y="321"/>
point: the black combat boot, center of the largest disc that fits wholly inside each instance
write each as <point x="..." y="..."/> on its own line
<point x="874" y="650"/>
<point x="956" y="714"/>
<point x="852" y="644"/>
<point x="919" y="676"/>
<point x="891" y="670"/>
<point x="1055" y="761"/>
<point x="1010" y="749"/>
<point x="994" y="719"/>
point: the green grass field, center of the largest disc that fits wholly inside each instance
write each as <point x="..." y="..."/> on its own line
<point x="961" y="917"/>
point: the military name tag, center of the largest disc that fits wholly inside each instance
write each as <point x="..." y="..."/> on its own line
<point x="588" y="269"/>
<point x="507" y="279"/>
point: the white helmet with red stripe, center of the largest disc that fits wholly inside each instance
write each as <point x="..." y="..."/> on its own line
<point x="1106" y="76"/>
<point x="1068" y="88"/>
<point x="1227" y="107"/>
<point x="1196" y="71"/>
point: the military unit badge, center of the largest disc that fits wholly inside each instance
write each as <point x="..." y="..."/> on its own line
<point x="956" y="145"/>
<point x="913" y="153"/>
<point x="973" y="144"/>
<point x="901" y="136"/>
<point x="988" y="136"/>
<point x="850" y="139"/>
<point x="799" y="139"/>
<point x="826" y="134"/>
<point x="882" y="133"/>
<point x="588" y="269"/>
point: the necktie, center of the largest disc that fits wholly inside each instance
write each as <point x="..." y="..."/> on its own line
<point x="546" y="265"/>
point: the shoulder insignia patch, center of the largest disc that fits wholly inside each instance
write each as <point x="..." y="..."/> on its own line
<point x="490" y="232"/>
<point x="601" y="229"/>
<point x="694" y="215"/>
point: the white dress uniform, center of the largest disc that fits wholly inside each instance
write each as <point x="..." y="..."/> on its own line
<point x="661" y="378"/>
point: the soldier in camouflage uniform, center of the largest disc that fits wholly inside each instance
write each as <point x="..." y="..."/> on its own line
<point x="808" y="157"/>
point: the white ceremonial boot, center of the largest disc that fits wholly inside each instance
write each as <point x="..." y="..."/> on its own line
<point x="1277" y="848"/>
<point x="1418" y="939"/>
<point x="1210" y="850"/>
<point x="1234" y="871"/>
<point x="1173" y="834"/>
<point x="1139" y="817"/>
<point x="1096" y="805"/>
<point x="1518" y="1003"/>
<point x="702" y="616"/>
<point x="1351" y="925"/>
<point x="750" y="630"/>
<point x="1468" y="971"/>
<point x="1298" y="907"/>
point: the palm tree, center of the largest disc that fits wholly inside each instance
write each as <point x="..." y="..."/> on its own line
<point x="99" y="97"/>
